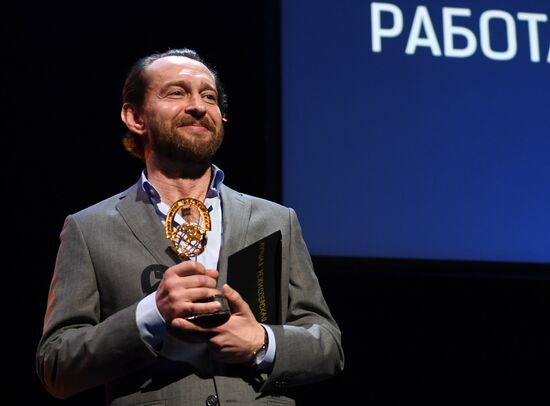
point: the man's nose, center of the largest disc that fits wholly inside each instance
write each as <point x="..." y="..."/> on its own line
<point x="196" y="106"/>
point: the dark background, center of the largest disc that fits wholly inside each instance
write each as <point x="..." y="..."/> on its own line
<point x="413" y="331"/>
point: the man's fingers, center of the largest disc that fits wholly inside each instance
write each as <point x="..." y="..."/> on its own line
<point x="186" y="268"/>
<point x="201" y="294"/>
<point x="197" y="281"/>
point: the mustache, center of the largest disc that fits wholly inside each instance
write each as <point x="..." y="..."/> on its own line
<point x="205" y="122"/>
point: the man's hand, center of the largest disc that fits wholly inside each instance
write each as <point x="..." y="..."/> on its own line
<point x="234" y="341"/>
<point x="181" y="286"/>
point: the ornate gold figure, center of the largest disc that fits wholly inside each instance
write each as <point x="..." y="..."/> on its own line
<point x="189" y="238"/>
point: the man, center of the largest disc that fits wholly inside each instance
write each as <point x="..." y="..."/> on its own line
<point x="109" y="322"/>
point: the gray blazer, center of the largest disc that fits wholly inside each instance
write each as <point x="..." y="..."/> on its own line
<point x="113" y="253"/>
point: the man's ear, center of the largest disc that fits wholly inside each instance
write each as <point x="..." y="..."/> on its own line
<point x="132" y="118"/>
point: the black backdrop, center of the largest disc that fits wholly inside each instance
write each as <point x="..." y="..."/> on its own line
<point x="413" y="331"/>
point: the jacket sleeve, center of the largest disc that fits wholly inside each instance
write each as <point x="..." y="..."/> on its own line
<point x="78" y="349"/>
<point x="309" y="345"/>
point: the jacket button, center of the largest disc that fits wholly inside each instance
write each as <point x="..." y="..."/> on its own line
<point x="212" y="400"/>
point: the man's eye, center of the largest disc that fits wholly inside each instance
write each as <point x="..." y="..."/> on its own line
<point x="211" y="97"/>
<point x="176" y="93"/>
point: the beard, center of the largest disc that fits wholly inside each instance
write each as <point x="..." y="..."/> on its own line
<point x="190" y="150"/>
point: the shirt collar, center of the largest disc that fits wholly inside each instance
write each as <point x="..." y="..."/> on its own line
<point x="213" y="189"/>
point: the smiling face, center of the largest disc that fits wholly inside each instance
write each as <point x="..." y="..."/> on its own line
<point x="181" y="117"/>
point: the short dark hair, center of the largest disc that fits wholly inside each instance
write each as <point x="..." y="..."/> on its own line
<point x="135" y="88"/>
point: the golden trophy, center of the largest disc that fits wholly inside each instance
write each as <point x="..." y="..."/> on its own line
<point x="188" y="241"/>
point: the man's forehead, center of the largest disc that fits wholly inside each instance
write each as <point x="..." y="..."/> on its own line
<point x="180" y="65"/>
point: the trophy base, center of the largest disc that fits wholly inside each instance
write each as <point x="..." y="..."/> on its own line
<point x="208" y="320"/>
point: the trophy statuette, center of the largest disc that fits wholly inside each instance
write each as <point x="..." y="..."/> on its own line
<point x="188" y="241"/>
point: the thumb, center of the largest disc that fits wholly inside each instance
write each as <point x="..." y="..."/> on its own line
<point x="236" y="302"/>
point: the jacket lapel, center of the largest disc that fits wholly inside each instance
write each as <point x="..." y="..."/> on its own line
<point x="140" y="215"/>
<point x="236" y="215"/>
